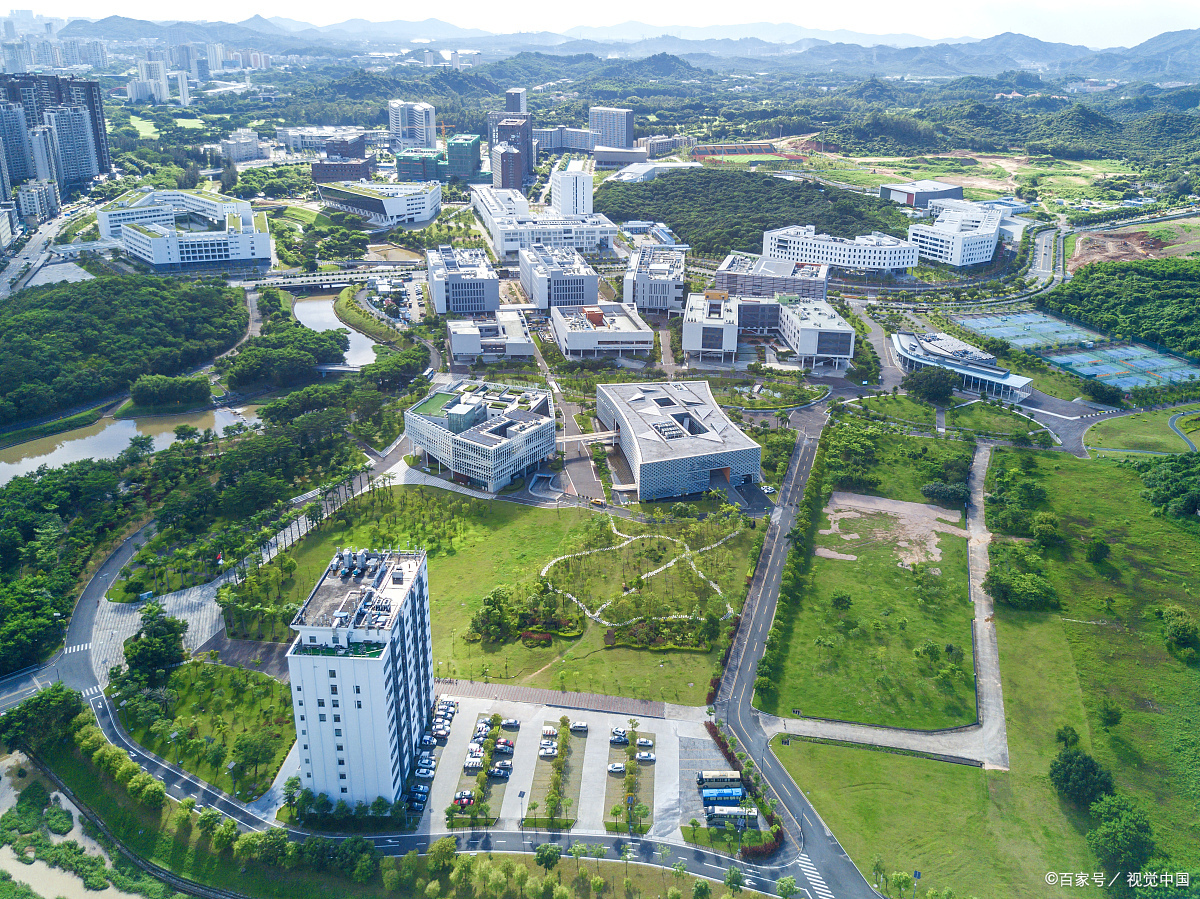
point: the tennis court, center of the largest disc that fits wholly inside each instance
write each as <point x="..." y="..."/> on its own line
<point x="1028" y="330"/>
<point x="1125" y="367"/>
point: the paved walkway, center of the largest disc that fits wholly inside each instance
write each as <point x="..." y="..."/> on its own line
<point x="985" y="743"/>
<point x="594" y="702"/>
<point x="406" y="474"/>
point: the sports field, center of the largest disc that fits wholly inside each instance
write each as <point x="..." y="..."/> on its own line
<point x="1028" y="330"/>
<point x="1125" y="366"/>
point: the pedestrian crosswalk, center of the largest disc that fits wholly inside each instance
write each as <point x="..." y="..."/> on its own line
<point x="814" y="878"/>
<point x="78" y="647"/>
<point x="91" y="691"/>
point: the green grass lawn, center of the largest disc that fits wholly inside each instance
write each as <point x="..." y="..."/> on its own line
<point x="988" y="419"/>
<point x="145" y="127"/>
<point x="189" y="123"/>
<point x="1143" y="431"/>
<point x="902" y="408"/>
<point x="212" y="702"/>
<point x="858" y="664"/>
<point x="476" y="545"/>
<point x="906" y="464"/>
<point x="58" y="426"/>
<point x="1114" y="640"/>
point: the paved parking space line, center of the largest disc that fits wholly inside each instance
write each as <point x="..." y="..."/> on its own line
<point x="592" y="812"/>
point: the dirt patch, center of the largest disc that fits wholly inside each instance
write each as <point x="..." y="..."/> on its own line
<point x="912" y="527"/>
<point x="1114" y="246"/>
<point x="826" y="553"/>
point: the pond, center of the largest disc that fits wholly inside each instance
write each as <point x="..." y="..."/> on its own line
<point x="317" y="313"/>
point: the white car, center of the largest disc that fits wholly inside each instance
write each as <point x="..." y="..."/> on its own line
<point x="579" y="726"/>
<point x="548" y="753"/>
<point x="645" y="756"/>
<point x="616" y="768"/>
<point x="618" y="731"/>
<point x="425" y="773"/>
<point x="549" y="744"/>
<point x="768" y="489"/>
<point x="645" y="742"/>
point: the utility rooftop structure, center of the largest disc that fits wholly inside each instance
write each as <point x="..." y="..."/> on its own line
<point x="504" y="336"/>
<point x="557" y="277"/>
<point x="918" y="193"/>
<point x="462" y="281"/>
<point x="656" y="279"/>
<point x="361" y="672"/>
<point x="978" y="369"/>
<point x="868" y="252"/>
<point x="963" y="234"/>
<point x="757" y="276"/>
<point x="385" y="205"/>
<point x="512" y="227"/>
<point x="676" y="438"/>
<point x="174" y="229"/>
<point x="486" y="434"/>
<point x="600" y="329"/>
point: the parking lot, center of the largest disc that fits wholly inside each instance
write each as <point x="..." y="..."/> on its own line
<point x="664" y="785"/>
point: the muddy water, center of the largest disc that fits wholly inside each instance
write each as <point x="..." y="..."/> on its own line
<point x="106" y="439"/>
<point x="47" y="881"/>
<point x="317" y="313"/>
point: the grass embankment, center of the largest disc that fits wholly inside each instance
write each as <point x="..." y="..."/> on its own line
<point x="901" y="408"/>
<point x="1146" y="431"/>
<point x="58" y="426"/>
<point x="129" y="409"/>
<point x="307" y="216"/>
<point x="212" y="701"/>
<point x="475" y="546"/>
<point x="988" y="418"/>
<point x="857" y="663"/>
<point x="900" y="478"/>
<point x="179" y="846"/>
<point x="346" y="308"/>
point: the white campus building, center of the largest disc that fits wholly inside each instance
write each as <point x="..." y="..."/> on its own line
<point x="361" y="673"/>
<point x="462" y="281"/>
<point x="977" y="368"/>
<point x="504" y="335"/>
<point x="963" y="233"/>
<point x="484" y="434"/>
<point x="385" y="205"/>
<point x="571" y="190"/>
<point x="557" y="277"/>
<point x="811" y="328"/>
<point x="412" y="124"/>
<point x="676" y="438"/>
<point x="171" y="229"/>
<point x="600" y="329"/>
<point x="656" y="279"/>
<point x="512" y="227"/>
<point x="875" y="252"/>
<point x="757" y="276"/>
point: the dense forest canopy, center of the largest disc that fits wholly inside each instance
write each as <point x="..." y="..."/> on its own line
<point x="1155" y="300"/>
<point x="65" y="344"/>
<point x="719" y="211"/>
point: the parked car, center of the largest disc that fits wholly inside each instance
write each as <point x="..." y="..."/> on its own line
<point x="419" y="788"/>
<point x="503" y="750"/>
<point x="549" y="744"/>
<point x="425" y="773"/>
<point x="768" y="490"/>
<point x="616" y="768"/>
<point x="646" y="742"/>
<point x="505" y="765"/>
<point x="503" y="742"/>
<point x="416" y="806"/>
<point x="620" y="740"/>
<point x="645" y="756"/>
<point x="428" y="741"/>
<point x="511" y="724"/>
<point x="548" y="753"/>
<point x="618" y="731"/>
<point x="463" y="803"/>
<point x="500" y="772"/>
<point x="549" y="731"/>
<point x="579" y="726"/>
<point x="465" y="794"/>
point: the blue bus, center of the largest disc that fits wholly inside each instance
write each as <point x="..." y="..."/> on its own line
<point x="723" y="796"/>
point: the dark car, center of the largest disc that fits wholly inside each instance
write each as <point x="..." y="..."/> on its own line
<point x="619" y="741"/>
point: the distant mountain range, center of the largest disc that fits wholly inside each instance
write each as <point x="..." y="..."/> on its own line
<point x="1172" y="56"/>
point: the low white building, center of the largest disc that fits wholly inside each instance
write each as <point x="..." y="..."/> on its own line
<point x="484" y="433"/>
<point x="361" y="675"/>
<point x="557" y="277"/>
<point x="656" y="279"/>
<point x="173" y="229"/>
<point x="812" y="329"/>
<point x="313" y="137"/>
<point x="976" y="368"/>
<point x="462" y="281"/>
<point x="918" y="193"/>
<point x="244" y="145"/>
<point x="963" y="233"/>
<point x="757" y="276"/>
<point x="505" y="335"/>
<point x="874" y="252"/>
<point x="385" y="205"/>
<point x="512" y="227"/>
<point x="600" y="329"/>
<point x="38" y="200"/>
<point x="640" y="172"/>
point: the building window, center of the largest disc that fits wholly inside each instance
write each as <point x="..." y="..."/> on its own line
<point x="332" y="673"/>
<point x="301" y="717"/>
<point x="339" y="747"/>
<point x="333" y="689"/>
<point x="342" y="776"/>
<point x="320" y="703"/>
<point x="321" y="717"/>
<point x="337" y="718"/>
<point x="344" y="790"/>
<point x="300" y="702"/>
<point x="358" y="703"/>
<point x="341" y="761"/>
<point x="337" y="731"/>
<point x="310" y="640"/>
<point x="299" y="689"/>
<point x="305" y="745"/>
<point x="335" y="703"/>
<point x="357" y="688"/>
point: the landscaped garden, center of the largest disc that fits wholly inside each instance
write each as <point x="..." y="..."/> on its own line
<point x="1143" y="432"/>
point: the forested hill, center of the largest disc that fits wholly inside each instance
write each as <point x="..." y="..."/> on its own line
<point x="65" y="344"/>
<point x="1156" y="300"/>
<point x="720" y="211"/>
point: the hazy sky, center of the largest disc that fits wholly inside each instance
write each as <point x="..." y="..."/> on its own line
<point x="1096" y="23"/>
